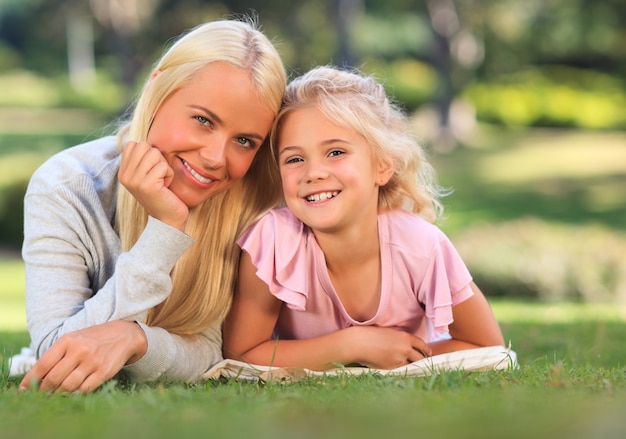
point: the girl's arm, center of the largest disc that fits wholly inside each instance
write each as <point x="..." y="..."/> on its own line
<point x="474" y="326"/>
<point x="250" y="323"/>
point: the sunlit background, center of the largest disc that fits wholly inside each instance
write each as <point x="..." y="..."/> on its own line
<point x="521" y="104"/>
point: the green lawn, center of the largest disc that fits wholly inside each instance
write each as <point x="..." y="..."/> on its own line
<point x="571" y="383"/>
<point x="566" y="387"/>
<point x="12" y="312"/>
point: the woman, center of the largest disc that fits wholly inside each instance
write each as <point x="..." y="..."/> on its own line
<point x="129" y="241"/>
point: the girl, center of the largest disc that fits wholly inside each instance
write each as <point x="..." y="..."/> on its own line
<point x="351" y="271"/>
<point x="129" y="242"/>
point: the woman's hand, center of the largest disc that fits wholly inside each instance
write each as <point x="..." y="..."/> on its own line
<point x="384" y="348"/>
<point x="82" y="360"/>
<point x="147" y="176"/>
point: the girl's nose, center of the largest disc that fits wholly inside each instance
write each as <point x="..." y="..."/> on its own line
<point x="315" y="171"/>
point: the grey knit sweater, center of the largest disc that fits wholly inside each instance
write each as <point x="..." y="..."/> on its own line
<point x="77" y="276"/>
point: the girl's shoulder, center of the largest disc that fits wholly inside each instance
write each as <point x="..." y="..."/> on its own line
<point x="278" y="223"/>
<point x="277" y="218"/>
<point x="404" y="229"/>
<point x="402" y="220"/>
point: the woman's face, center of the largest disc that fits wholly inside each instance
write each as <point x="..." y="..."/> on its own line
<point x="209" y="131"/>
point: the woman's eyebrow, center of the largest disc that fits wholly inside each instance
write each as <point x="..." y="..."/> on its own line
<point x="219" y="121"/>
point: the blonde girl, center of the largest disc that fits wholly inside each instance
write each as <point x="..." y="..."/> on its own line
<point x="351" y="271"/>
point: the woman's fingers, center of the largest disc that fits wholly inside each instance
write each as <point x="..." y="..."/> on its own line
<point x="146" y="174"/>
<point x="42" y="367"/>
<point x="143" y="166"/>
<point x="82" y="360"/>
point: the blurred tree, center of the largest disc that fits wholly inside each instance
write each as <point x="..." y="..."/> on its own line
<point x="122" y="22"/>
<point x="445" y="25"/>
<point x="430" y="49"/>
<point x="344" y="13"/>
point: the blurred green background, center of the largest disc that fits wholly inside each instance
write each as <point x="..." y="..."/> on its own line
<point x="519" y="102"/>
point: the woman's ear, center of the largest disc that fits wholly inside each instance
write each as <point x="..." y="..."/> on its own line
<point x="386" y="168"/>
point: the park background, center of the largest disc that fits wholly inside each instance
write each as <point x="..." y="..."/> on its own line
<point x="520" y="104"/>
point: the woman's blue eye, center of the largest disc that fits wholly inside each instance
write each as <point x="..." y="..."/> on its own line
<point x="203" y="120"/>
<point x="244" y="141"/>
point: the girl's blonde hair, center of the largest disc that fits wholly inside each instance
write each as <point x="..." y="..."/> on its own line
<point x="359" y="102"/>
<point x="203" y="279"/>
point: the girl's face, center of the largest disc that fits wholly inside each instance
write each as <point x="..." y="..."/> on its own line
<point x="209" y="131"/>
<point x="329" y="178"/>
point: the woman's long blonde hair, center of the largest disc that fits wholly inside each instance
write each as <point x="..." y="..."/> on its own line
<point x="203" y="279"/>
<point x="360" y="103"/>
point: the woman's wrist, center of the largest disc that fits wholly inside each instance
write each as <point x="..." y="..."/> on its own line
<point x="140" y="345"/>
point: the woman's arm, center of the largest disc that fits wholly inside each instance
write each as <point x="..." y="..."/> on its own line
<point x="82" y="360"/>
<point x="75" y="278"/>
<point x="173" y="357"/>
<point x="78" y="290"/>
<point x="474" y="326"/>
<point x="250" y="323"/>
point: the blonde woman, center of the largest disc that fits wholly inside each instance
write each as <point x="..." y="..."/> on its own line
<point x="129" y="240"/>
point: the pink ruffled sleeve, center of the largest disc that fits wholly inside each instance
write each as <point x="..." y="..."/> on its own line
<point x="446" y="284"/>
<point x="279" y="246"/>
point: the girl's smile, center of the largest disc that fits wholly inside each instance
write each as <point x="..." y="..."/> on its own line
<point x="326" y="168"/>
<point x="322" y="196"/>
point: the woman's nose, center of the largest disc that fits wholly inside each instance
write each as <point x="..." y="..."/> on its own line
<point x="214" y="153"/>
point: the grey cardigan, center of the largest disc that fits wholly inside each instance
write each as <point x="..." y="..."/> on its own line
<point x="77" y="276"/>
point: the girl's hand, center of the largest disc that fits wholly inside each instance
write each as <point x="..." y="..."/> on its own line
<point x="384" y="348"/>
<point x="147" y="176"/>
<point x="81" y="361"/>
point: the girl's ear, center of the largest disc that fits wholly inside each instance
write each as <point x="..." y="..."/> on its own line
<point x="155" y="74"/>
<point x="385" y="171"/>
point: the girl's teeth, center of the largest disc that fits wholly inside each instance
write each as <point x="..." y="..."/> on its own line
<point x="197" y="176"/>
<point x="323" y="196"/>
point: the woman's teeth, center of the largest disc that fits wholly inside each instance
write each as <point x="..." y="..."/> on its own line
<point x="323" y="196"/>
<point x="197" y="176"/>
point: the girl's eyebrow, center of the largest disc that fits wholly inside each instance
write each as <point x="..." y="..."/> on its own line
<point x="331" y="141"/>
<point x="326" y="142"/>
<point x="218" y="121"/>
<point x="288" y="149"/>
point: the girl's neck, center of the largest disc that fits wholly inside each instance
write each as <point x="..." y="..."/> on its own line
<point x="353" y="263"/>
<point x="351" y="247"/>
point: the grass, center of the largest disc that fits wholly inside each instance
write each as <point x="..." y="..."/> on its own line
<point x="548" y="397"/>
<point x="12" y="312"/>
<point x="571" y="383"/>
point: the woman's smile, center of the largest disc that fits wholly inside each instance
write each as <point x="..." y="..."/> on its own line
<point x="210" y="130"/>
<point x="195" y="174"/>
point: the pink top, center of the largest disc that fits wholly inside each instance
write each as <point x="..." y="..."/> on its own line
<point x="422" y="275"/>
